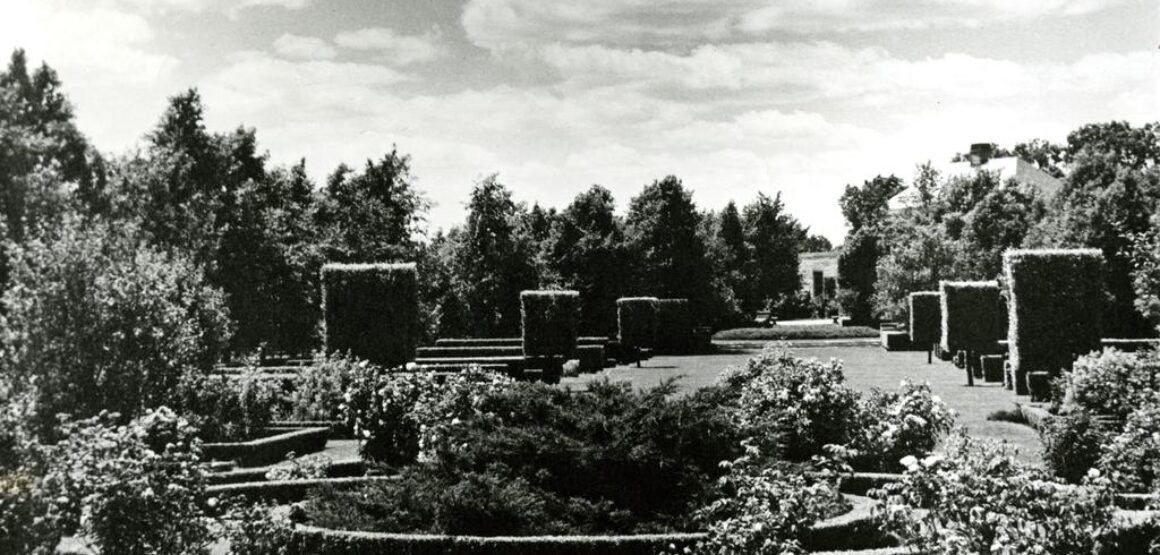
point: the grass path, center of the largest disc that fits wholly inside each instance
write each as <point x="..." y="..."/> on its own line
<point x="864" y="368"/>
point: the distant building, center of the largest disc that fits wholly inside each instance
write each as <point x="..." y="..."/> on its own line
<point x="811" y="263"/>
<point x="981" y="159"/>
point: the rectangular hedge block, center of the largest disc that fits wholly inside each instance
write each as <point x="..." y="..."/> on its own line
<point x="925" y="317"/>
<point x="371" y="311"/>
<point x="636" y="318"/>
<point x="674" y="325"/>
<point x="894" y="340"/>
<point x="992" y="368"/>
<point x="1055" y="300"/>
<point x="591" y="358"/>
<point x="551" y="322"/>
<point x="974" y="317"/>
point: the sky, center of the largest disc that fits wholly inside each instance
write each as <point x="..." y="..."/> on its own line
<point x="800" y="97"/>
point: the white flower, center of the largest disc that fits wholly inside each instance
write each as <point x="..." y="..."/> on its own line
<point x="910" y="462"/>
<point x="932" y="460"/>
<point x="1093" y="473"/>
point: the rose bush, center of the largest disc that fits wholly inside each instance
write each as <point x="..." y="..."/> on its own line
<point x="894" y="424"/>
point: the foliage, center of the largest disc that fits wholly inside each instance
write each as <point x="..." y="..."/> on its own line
<point x="918" y="259"/>
<point x="1146" y="272"/>
<point x="857" y="270"/>
<point x="530" y="458"/>
<point x="979" y="499"/>
<point x="373" y="216"/>
<point x="309" y="467"/>
<point x="925" y="317"/>
<point x="636" y="317"/>
<point x="772" y="236"/>
<point x="800" y="403"/>
<point x="371" y="311"/>
<point x="28" y="521"/>
<point x="403" y="416"/>
<point x="1111" y="190"/>
<point x="321" y="386"/>
<point x="1131" y="460"/>
<point x="134" y="489"/>
<point x="229" y="408"/>
<point x="662" y="232"/>
<point x="103" y="322"/>
<point x="1052" y="297"/>
<point x="550" y="322"/>
<point x="974" y="316"/>
<point x="1072" y="442"/>
<point x="768" y="508"/>
<point x="867" y="207"/>
<point x="257" y="529"/>
<point x="1111" y="382"/>
<point x="586" y="250"/>
<point x="896" y="424"/>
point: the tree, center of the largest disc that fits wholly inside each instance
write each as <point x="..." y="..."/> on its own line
<point x="1146" y="275"/>
<point x="492" y="261"/>
<point x="586" y="250"/>
<point x="811" y="242"/>
<point x="866" y="209"/>
<point x="772" y="236"/>
<point x="668" y="252"/>
<point x="867" y="206"/>
<point x="373" y="216"/>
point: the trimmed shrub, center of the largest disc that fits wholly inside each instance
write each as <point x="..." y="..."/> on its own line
<point x="925" y="317"/>
<point x="1055" y="299"/>
<point x="636" y="318"/>
<point x="551" y="321"/>
<point x="371" y="311"/>
<point x="674" y="325"/>
<point x="973" y="315"/>
<point x="591" y="358"/>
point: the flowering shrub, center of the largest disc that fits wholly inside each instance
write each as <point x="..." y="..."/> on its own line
<point x="319" y="388"/>
<point x="403" y="416"/>
<point x="1072" y="443"/>
<point x="230" y="408"/>
<point x="134" y="489"/>
<point x="896" y="424"/>
<point x="803" y="405"/>
<point x="301" y="468"/>
<point x="767" y="509"/>
<point x="1131" y="460"/>
<point x="1113" y="382"/>
<point x="800" y="403"/>
<point x="258" y="529"/>
<point x="980" y="500"/>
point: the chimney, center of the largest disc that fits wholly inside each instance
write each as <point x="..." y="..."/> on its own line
<point x="981" y="153"/>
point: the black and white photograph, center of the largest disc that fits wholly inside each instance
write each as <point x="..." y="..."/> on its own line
<point x="579" y="277"/>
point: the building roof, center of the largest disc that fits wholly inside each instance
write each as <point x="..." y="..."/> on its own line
<point x="1007" y="167"/>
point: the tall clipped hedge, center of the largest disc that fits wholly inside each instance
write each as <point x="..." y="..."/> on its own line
<point x="674" y="325"/>
<point x="973" y="315"/>
<point x="1055" y="299"/>
<point x="925" y="317"/>
<point x="551" y="321"/>
<point x="636" y="318"/>
<point x="372" y="311"/>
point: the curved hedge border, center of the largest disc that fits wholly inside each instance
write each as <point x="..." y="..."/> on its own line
<point x="852" y="530"/>
<point x="268" y="450"/>
<point x="288" y="491"/>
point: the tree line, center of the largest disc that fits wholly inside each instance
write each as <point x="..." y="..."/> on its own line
<point x="261" y="232"/>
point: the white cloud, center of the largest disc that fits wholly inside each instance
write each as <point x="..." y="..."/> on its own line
<point x="502" y="24"/>
<point x="305" y="48"/>
<point x="396" y="49"/>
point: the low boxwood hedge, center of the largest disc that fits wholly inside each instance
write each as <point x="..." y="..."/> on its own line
<point x="551" y="320"/>
<point x="268" y="450"/>
<point x="371" y="311"/>
<point x="1055" y="301"/>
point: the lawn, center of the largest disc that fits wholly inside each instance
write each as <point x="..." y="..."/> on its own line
<point x="792" y="332"/>
<point x="865" y="368"/>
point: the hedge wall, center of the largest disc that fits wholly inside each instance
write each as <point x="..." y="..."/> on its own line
<point x="636" y="317"/>
<point x="591" y="358"/>
<point x="973" y="315"/>
<point x="925" y="317"/>
<point x="1055" y="299"/>
<point x="674" y="325"/>
<point x="321" y="541"/>
<point x="371" y="311"/>
<point x="551" y="322"/>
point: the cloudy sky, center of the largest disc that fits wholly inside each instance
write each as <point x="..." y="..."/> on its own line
<point x="737" y="97"/>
